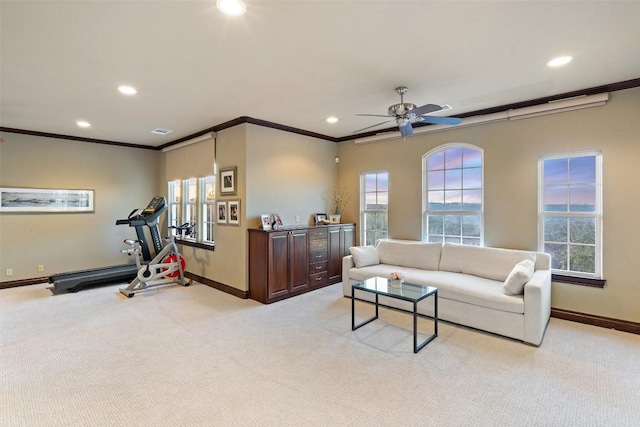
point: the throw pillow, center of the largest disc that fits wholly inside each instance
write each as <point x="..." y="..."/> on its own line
<point x="519" y="276"/>
<point x="364" y="256"/>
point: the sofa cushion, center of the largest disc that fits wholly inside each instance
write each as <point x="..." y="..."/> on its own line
<point x="364" y="256"/>
<point x="409" y="253"/>
<point x="519" y="276"/>
<point x="492" y="263"/>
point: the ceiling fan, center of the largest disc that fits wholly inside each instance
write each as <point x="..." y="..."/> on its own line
<point x="406" y="113"/>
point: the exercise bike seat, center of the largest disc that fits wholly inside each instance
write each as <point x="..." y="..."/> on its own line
<point x="131" y="242"/>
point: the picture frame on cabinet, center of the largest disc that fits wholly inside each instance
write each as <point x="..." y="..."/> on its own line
<point x="228" y="178"/>
<point x="266" y="225"/>
<point x="234" y="212"/>
<point x="222" y="213"/>
<point x="320" y="217"/>
<point x="276" y="221"/>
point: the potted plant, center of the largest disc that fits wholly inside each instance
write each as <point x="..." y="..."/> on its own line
<point x="337" y="200"/>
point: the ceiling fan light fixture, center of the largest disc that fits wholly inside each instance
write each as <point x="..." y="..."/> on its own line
<point x="231" y="7"/>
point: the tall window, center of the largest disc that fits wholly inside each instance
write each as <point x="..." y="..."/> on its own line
<point x="452" y="195"/>
<point x="193" y="200"/>
<point x="374" y="193"/>
<point x="570" y="212"/>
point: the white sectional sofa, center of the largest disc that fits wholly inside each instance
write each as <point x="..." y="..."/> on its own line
<point x="503" y="291"/>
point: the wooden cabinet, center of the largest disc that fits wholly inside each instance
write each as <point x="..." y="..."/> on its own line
<point x="284" y="263"/>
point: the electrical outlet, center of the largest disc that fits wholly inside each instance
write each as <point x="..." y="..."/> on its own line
<point x="9" y="272"/>
<point x="40" y="267"/>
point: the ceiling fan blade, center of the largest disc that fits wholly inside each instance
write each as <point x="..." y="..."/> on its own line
<point x="373" y="115"/>
<point x="406" y="130"/>
<point x="439" y="120"/>
<point x="425" y="109"/>
<point x="372" y="126"/>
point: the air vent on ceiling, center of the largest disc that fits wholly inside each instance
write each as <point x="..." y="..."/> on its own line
<point x="160" y="131"/>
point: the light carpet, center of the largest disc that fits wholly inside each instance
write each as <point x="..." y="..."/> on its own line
<point x="195" y="356"/>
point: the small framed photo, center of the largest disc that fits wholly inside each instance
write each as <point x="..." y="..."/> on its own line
<point x="266" y="225"/>
<point x="234" y="212"/>
<point x="320" y="217"/>
<point x="276" y="221"/>
<point x="228" y="177"/>
<point x="222" y="213"/>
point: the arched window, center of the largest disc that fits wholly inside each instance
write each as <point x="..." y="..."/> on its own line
<point x="452" y="196"/>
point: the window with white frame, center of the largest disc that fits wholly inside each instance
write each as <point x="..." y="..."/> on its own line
<point x="374" y="211"/>
<point x="570" y="212"/>
<point x="452" y="195"/>
<point x="196" y="207"/>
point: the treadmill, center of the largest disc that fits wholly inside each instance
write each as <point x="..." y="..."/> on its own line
<point x="140" y="219"/>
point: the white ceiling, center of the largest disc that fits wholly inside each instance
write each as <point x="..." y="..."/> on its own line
<point x="294" y="62"/>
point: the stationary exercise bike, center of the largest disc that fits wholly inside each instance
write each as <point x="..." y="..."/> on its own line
<point x="165" y="269"/>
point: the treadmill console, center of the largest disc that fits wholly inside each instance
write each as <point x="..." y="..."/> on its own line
<point x="156" y="204"/>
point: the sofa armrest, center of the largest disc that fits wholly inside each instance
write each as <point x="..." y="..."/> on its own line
<point x="537" y="306"/>
<point x="347" y="264"/>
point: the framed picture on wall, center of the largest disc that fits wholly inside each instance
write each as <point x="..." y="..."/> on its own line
<point x="222" y="213"/>
<point x="45" y="200"/>
<point x="234" y="212"/>
<point x="228" y="178"/>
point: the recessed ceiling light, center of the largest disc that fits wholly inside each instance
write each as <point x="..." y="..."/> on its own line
<point x="161" y="131"/>
<point x="231" y="7"/>
<point x="83" y="124"/>
<point x="559" y="61"/>
<point x="128" y="90"/>
<point x="332" y="119"/>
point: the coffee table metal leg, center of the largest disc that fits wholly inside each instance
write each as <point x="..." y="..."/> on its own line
<point x="416" y="347"/>
<point x="353" y="312"/>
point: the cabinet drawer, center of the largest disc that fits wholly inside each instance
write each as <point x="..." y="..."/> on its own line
<point x="317" y="233"/>
<point x="318" y="279"/>
<point x="318" y="256"/>
<point x="318" y="267"/>
<point x="317" y="245"/>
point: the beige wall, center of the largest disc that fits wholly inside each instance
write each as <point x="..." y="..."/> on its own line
<point x="278" y="172"/>
<point x="511" y="152"/>
<point x="123" y="179"/>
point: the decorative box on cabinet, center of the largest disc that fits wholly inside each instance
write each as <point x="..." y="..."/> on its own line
<point x="289" y="262"/>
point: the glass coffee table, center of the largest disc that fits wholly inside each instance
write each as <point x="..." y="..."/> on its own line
<point x="404" y="291"/>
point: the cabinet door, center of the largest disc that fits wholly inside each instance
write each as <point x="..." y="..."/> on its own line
<point x="348" y="239"/>
<point x="278" y="264"/>
<point x="335" y="257"/>
<point x="299" y="260"/>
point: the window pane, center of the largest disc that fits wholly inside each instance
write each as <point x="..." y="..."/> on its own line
<point x="555" y="171"/>
<point x="558" y="254"/>
<point x="383" y="200"/>
<point x="556" y="199"/>
<point x="472" y="178"/>
<point x="383" y="181"/>
<point x="453" y="158"/>
<point x="193" y="190"/>
<point x="453" y="179"/>
<point x="435" y="180"/>
<point x="555" y="229"/>
<point x="453" y="200"/>
<point x="435" y="224"/>
<point x="436" y="161"/>
<point x="582" y="170"/>
<point x="436" y="200"/>
<point x="470" y="241"/>
<point x="435" y="239"/>
<point x="452" y="225"/>
<point x="449" y="239"/>
<point x="210" y="188"/>
<point x="370" y="238"/>
<point x="369" y="182"/>
<point x="582" y="230"/>
<point x="471" y="225"/>
<point x="583" y="259"/>
<point x="471" y="158"/>
<point x="582" y="198"/>
<point x="370" y="201"/>
<point x="472" y="200"/>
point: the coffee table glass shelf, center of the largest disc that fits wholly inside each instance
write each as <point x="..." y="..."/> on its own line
<point x="402" y="291"/>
